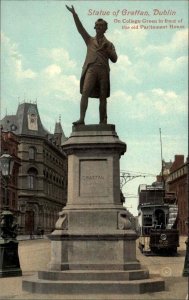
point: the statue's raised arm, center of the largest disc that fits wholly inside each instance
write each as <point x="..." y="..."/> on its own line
<point x="78" y="24"/>
<point x="95" y="79"/>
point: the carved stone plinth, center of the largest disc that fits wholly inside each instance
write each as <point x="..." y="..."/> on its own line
<point x="93" y="248"/>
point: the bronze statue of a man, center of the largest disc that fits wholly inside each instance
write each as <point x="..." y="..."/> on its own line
<point x="95" y="80"/>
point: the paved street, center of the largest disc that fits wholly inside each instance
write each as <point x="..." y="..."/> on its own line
<point x="34" y="255"/>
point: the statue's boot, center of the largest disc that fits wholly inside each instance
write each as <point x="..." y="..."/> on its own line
<point x="103" y="122"/>
<point x="82" y="115"/>
<point x="79" y="122"/>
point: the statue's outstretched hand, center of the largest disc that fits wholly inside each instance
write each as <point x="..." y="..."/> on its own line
<point x="71" y="9"/>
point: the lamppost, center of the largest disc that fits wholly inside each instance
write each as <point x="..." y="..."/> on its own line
<point x="9" y="259"/>
<point x="186" y="261"/>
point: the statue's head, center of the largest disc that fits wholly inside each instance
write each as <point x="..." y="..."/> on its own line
<point x="101" y="26"/>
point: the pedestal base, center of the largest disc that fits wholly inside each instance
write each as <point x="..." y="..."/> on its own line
<point x="93" y="239"/>
<point x="93" y="283"/>
<point x="9" y="259"/>
<point x="91" y="254"/>
<point x="115" y="251"/>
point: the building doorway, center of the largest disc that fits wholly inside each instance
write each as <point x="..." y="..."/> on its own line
<point x="29" y="222"/>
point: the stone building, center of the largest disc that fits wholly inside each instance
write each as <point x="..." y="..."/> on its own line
<point x="166" y="166"/>
<point x="9" y="145"/>
<point x="42" y="178"/>
<point x="177" y="181"/>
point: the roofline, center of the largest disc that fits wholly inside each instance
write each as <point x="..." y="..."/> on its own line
<point x="44" y="139"/>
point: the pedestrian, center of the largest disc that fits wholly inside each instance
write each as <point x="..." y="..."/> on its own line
<point x="42" y="233"/>
<point x="31" y="235"/>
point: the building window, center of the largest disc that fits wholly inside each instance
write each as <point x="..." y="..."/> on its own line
<point x="13" y="200"/>
<point x="31" y="181"/>
<point x="3" y="196"/>
<point x="32" y="174"/>
<point x="32" y="153"/>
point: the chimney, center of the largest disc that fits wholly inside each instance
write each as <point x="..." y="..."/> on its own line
<point x="178" y="162"/>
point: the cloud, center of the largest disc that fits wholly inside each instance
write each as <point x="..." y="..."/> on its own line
<point x="126" y="69"/>
<point x="131" y="38"/>
<point x="52" y="70"/>
<point x="177" y="44"/>
<point x="121" y="96"/>
<point x="69" y="85"/>
<point x="179" y="40"/>
<point x="14" y="59"/>
<point x="59" y="55"/>
<point x="170" y="65"/>
<point x="55" y="81"/>
<point x="55" y="77"/>
<point x="61" y="86"/>
<point x="174" y="144"/>
<point x="142" y="61"/>
<point x="150" y="104"/>
<point x="167" y="102"/>
<point x="21" y="73"/>
<point x="162" y="102"/>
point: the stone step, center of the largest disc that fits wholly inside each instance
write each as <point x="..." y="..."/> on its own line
<point x="109" y="265"/>
<point x="35" y="285"/>
<point x="94" y="275"/>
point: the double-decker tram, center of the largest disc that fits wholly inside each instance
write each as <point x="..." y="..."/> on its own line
<point x="157" y="218"/>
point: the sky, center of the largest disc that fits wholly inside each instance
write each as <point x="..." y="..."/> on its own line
<point x="42" y="56"/>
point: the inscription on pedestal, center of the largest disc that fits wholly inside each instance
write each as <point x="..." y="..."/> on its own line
<point x="93" y="178"/>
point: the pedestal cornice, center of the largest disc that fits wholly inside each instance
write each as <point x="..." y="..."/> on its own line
<point x="99" y="137"/>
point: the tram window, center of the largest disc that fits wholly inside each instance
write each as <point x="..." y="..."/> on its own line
<point x="160" y="217"/>
<point x="147" y="221"/>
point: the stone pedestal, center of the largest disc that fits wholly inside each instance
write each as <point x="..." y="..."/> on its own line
<point x="93" y="248"/>
<point x="91" y="230"/>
